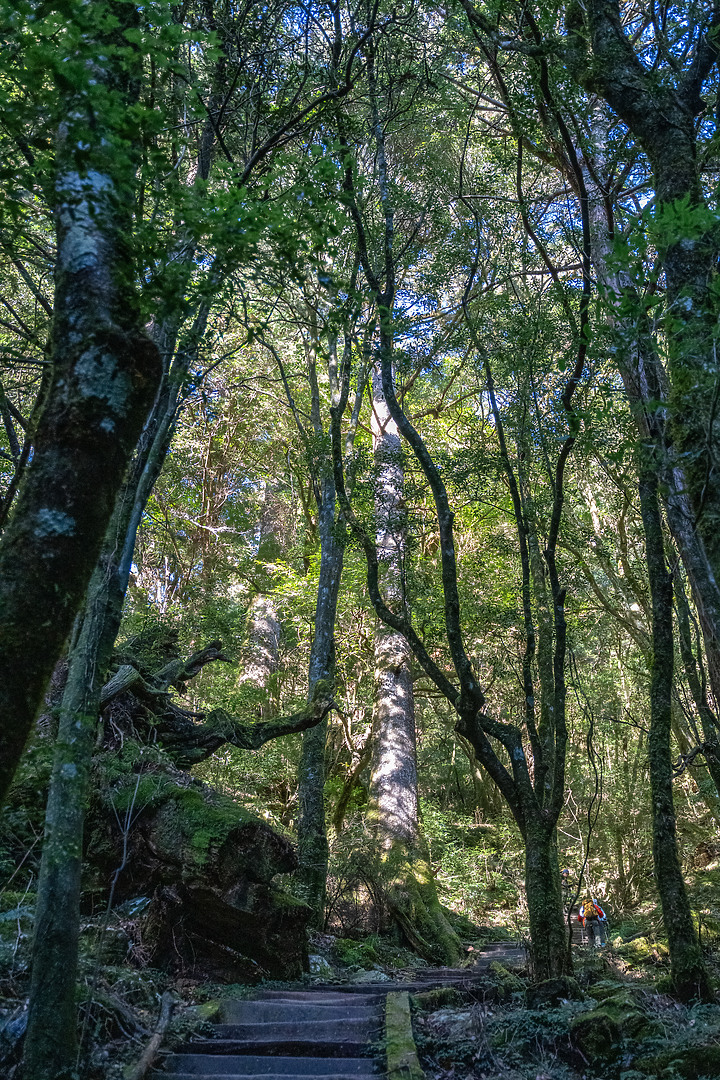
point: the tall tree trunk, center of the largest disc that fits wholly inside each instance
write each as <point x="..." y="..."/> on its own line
<point x="548" y="929"/>
<point x="50" y="1048"/>
<point x="263" y="627"/>
<point x="663" y="120"/>
<point x="106" y="373"/>
<point x="467" y="697"/>
<point x="687" y="968"/>
<point x="404" y="864"/>
<point x="698" y="689"/>
<point x="313" y="851"/>
<point x="645" y="383"/>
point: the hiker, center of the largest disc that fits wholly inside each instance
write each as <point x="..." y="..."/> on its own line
<point x="593" y="918"/>
<point x="565" y="882"/>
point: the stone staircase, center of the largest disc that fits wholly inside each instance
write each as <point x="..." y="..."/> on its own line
<point x="330" y="1032"/>
<point x="286" y="1035"/>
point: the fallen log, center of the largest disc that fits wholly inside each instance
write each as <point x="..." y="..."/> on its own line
<point x="138" y="1071"/>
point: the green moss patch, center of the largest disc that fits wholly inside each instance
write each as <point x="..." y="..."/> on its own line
<point x="443" y="997"/>
<point x="688" y="1062"/>
<point x="601" y="1032"/>
<point x="402" y="1059"/>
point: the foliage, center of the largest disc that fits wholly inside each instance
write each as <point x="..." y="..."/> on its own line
<point x="252" y="151"/>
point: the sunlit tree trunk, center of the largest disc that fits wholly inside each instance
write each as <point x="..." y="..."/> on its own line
<point x="539" y="807"/>
<point x="403" y="858"/>
<point x="260" y="659"/>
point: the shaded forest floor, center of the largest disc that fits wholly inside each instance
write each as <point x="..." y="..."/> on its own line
<point x="614" y="1021"/>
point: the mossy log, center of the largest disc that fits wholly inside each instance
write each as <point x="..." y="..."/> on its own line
<point x="208" y="866"/>
<point x="400" y="1049"/>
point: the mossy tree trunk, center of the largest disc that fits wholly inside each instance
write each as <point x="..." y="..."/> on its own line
<point x="688" y="971"/>
<point x="313" y="852"/>
<point x="313" y="849"/>
<point x="105" y="375"/>
<point x="611" y="68"/>
<point x="51" y="1041"/>
<point x="663" y="119"/>
<point x="403" y="864"/>
<point x="548" y="933"/>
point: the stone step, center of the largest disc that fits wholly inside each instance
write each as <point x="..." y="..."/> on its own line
<point x="251" y="1065"/>
<point x="302" y="1046"/>
<point x="361" y="996"/>
<point x="304" y="1027"/>
<point x="266" y="1012"/>
<point x="262" y="1076"/>
<point x="443" y="972"/>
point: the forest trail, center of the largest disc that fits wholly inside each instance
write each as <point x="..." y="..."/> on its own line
<point x="330" y="1032"/>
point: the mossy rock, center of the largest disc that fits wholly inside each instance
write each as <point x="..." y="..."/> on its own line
<point x="108" y="946"/>
<point x="441" y="997"/>
<point x="208" y="1010"/>
<point x="600" y="1032"/>
<point x="689" y="1062"/>
<point x="551" y="991"/>
<point x="504" y="982"/>
<point x="206" y="828"/>
<point x="356" y="953"/>
<point x="642" y="951"/>
<point x="596" y="1033"/>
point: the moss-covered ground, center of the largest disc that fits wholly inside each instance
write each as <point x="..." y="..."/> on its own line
<point x="612" y="1022"/>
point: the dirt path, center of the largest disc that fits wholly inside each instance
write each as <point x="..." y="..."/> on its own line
<point x="329" y="1032"/>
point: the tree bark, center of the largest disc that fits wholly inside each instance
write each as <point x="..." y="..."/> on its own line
<point x="50" y="1044"/>
<point x="313" y="850"/>
<point x="514" y="780"/>
<point x="404" y="867"/>
<point x="263" y="627"/>
<point x="548" y="933"/>
<point x="688" y="972"/>
<point x="106" y="373"/>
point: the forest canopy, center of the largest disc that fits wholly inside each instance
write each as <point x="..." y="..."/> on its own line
<point x="360" y="495"/>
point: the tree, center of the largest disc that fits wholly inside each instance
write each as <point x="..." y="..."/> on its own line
<point x="404" y="870"/>
<point x="105" y="368"/>
<point x="50" y="1047"/>
<point x="536" y="805"/>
